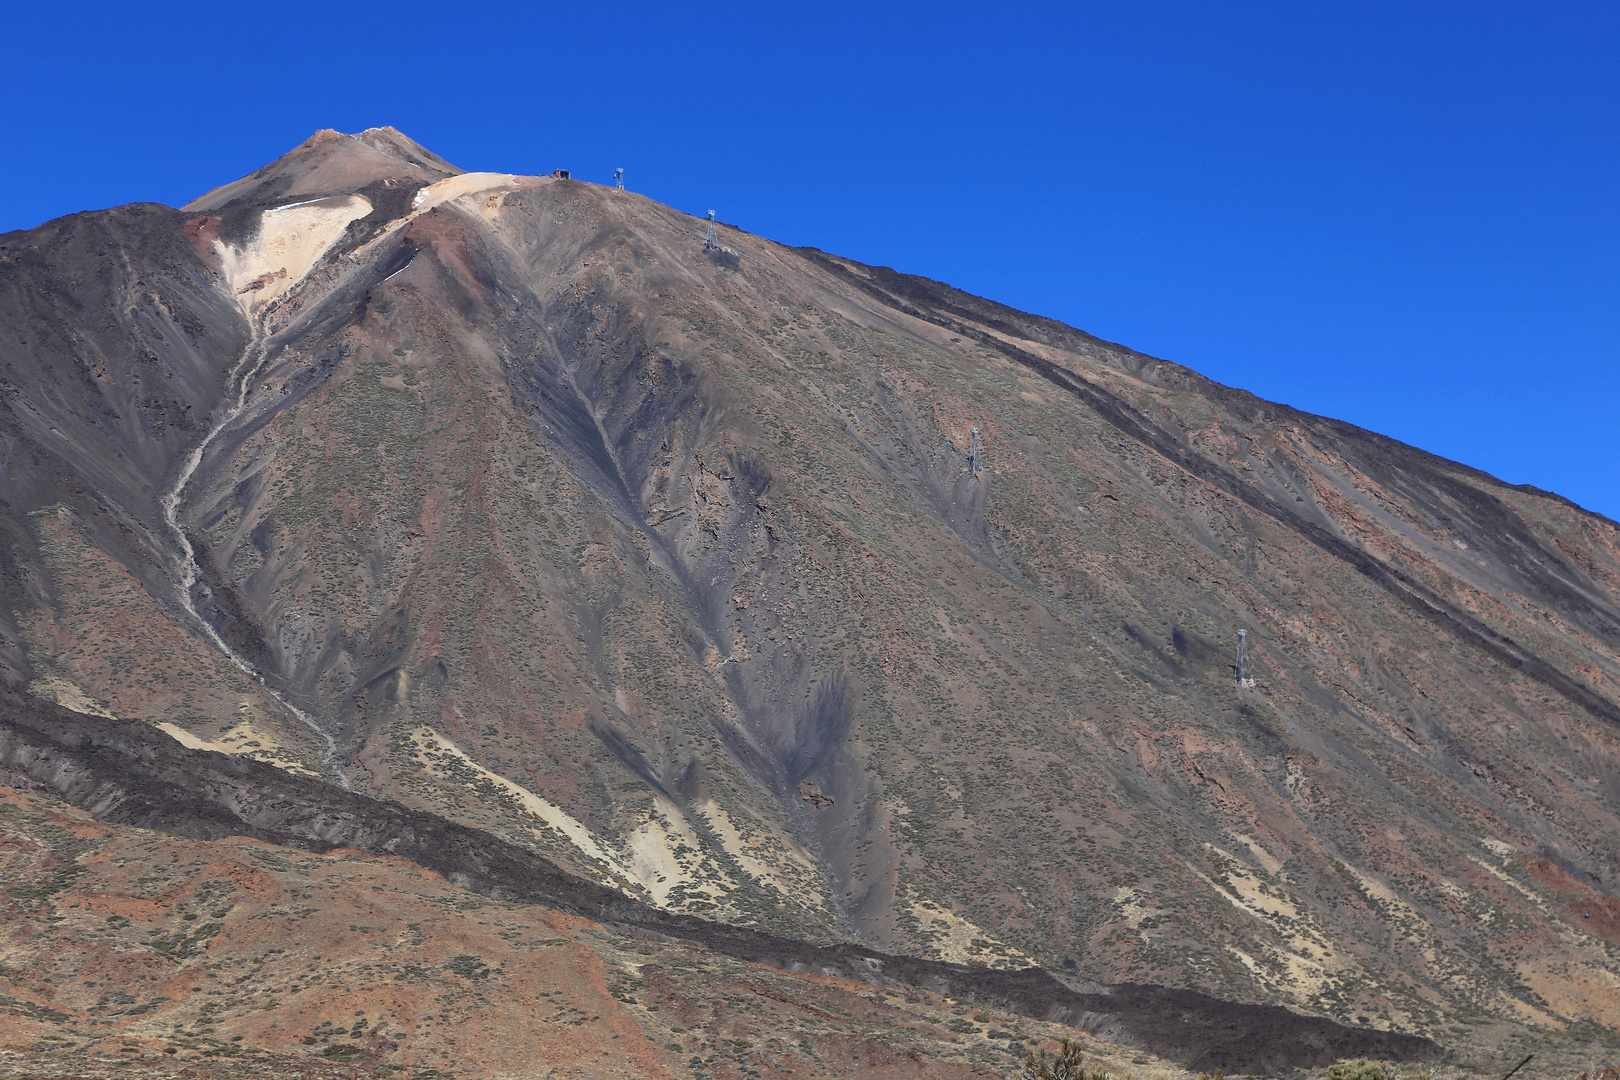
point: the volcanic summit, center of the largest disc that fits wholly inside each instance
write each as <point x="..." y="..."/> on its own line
<point x="382" y="539"/>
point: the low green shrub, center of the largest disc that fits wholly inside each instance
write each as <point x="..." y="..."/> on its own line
<point x="1069" y="1064"/>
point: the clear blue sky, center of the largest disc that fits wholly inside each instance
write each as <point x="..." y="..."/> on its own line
<point x="1406" y="215"/>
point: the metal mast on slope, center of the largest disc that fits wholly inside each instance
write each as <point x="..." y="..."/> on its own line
<point x="1244" y="676"/>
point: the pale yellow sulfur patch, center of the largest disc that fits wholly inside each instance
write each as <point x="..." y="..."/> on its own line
<point x="959" y="941"/>
<point x="67" y="694"/>
<point x="1308" y="960"/>
<point x="1265" y="858"/>
<point x="244" y="739"/>
<point x="662" y="855"/>
<point x="1134" y="912"/>
<point x="1509" y="882"/>
<point x="454" y="187"/>
<point x="754" y="859"/>
<point x="290" y="241"/>
<point x="426" y="742"/>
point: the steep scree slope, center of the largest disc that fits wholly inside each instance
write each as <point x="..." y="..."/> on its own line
<point x="668" y="565"/>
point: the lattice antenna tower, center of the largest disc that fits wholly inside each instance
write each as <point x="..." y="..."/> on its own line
<point x="713" y="242"/>
<point x="974" y="462"/>
<point x="1244" y="676"/>
<point x="618" y="179"/>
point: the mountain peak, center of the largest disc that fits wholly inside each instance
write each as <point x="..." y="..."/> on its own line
<point x="877" y="624"/>
<point x="331" y="162"/>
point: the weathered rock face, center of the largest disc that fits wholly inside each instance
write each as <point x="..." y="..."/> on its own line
<point x="671" y="566"/>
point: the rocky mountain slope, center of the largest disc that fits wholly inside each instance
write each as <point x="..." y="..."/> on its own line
<point x="242" y="957"/>
<point x="504" y="498"/>
<point x="132" y="776"/>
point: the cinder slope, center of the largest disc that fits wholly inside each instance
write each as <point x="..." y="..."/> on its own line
<point x="331" y="163"/>
<point x="669" y="564"/>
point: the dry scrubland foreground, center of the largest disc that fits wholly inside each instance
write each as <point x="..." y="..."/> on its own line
<point x="236" y="956"/>
<point x="503" y="499"/>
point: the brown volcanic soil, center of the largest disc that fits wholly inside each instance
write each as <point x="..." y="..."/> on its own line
<point x="575" y="535"/>
<point x="127" y="773"/>
<point x="123" y="948"/>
